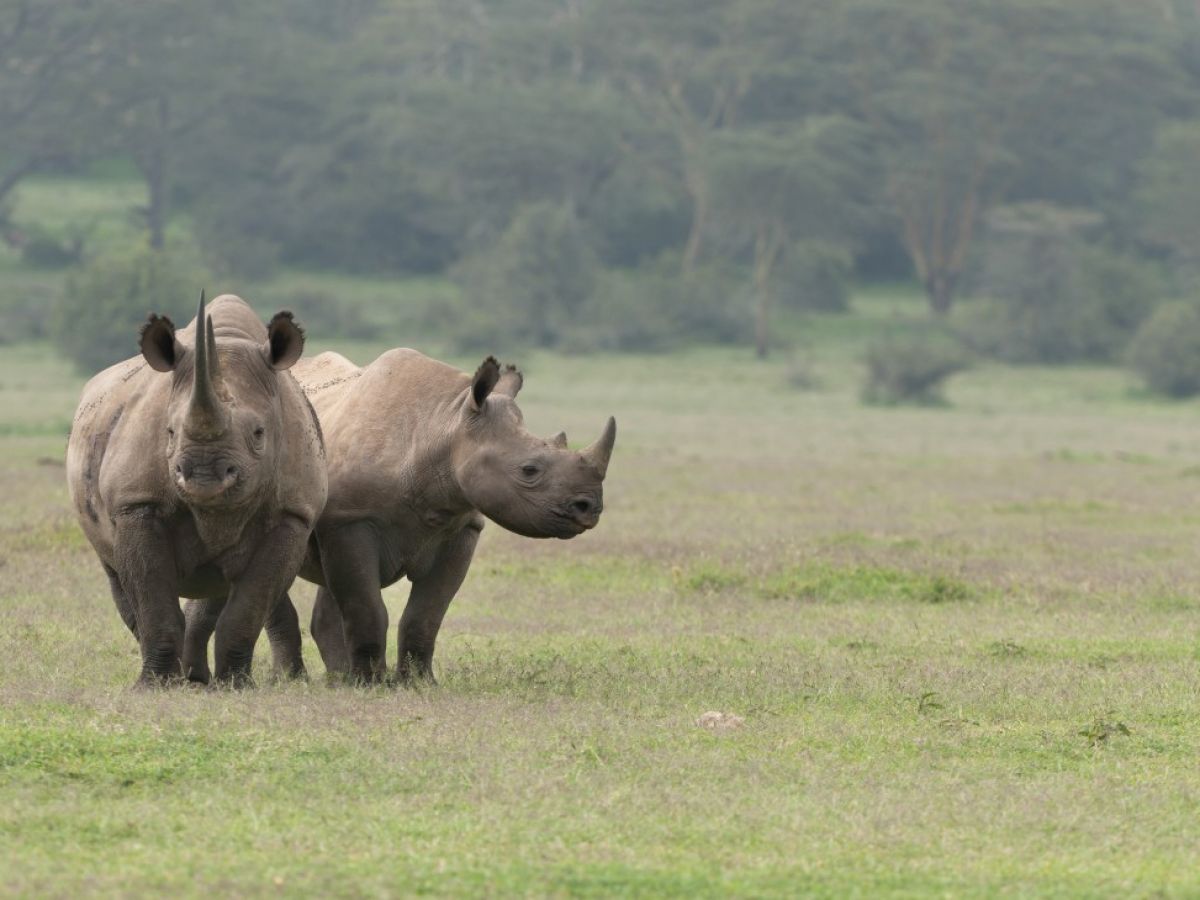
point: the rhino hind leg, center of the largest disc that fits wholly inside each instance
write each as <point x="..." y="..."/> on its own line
<point x="351" y="562"/>
<point x="283" y="631"/>
<point x="200" y="617"/>
<point x="427" y="604"/>
<point x="329" y="633"/>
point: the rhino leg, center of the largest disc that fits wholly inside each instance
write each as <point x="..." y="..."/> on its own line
<point x="427" y="604"/>
<point x="330" y="635"/>
<point x="252" y="597"/>
<point x="124" y="604"/>
<point x="145" y="567"/>
<point x="283" y="631"/>
<point x="351" y="562"/>
<point x="200" y="617"/>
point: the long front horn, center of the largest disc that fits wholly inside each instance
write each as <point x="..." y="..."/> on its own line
<point x="599" y="453"/>
<point x="204" y="417"/>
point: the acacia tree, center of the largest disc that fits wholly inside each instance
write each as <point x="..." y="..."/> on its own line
<point x="959" y="99"/>
<point x="49" y="61"/>
<point x="774" y="187"/>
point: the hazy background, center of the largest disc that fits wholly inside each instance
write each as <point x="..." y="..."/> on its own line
<point x="626" y="175"/>
<point x="937" y="550"/>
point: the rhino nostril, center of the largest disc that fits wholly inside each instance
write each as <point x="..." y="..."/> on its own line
<point x="231" y="472"/>
<point x="583" y="507"/>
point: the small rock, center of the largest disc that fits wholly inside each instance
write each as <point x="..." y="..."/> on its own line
<point x="720" y="721"/>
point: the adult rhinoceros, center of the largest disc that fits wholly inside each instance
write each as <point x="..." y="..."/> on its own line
<point x="198" y="470"/>
<point x="419" y="454"/>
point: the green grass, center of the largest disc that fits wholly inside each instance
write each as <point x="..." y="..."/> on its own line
<point x="963" y="642"/>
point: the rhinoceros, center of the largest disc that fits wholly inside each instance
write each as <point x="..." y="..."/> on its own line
<point x="419" y="454"/>
<point x="198" y="470"/>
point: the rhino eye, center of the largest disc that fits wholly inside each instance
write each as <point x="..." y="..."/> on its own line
<point x="259" y="432"/>
<point x="529" y="471"/>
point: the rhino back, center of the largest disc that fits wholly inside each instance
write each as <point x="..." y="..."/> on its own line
<point x="381" y="423"/>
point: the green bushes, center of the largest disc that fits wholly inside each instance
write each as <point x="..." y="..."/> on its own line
<point x="815" y="276"/>
<point x="322" y="313"/>
<point x="541" y="284"/>
<point x="95" y="321"/>
<point x="529" y="286"/>
<point x="1051" y="297"/>
<point x="1166" y="350"/>
<point x="911" y="370"/>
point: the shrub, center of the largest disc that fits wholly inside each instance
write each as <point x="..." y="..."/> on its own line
<point x="815" y="276"/>
<point x="800" y="372"/>
<point x="1052" y="297"/>
<point x="530" y="285"/>
<point x="1166" y="350"/>
<point x="910" y="370"/>
<point x="45" y="250"/>
<point x="96" y="320"/>
<point x="321" y="313"/>
<point x="656" y="307"/>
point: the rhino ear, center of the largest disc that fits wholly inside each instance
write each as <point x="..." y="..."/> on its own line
<point x="487" y="376"/>
<point x="157" y="340"/>
<point x="285" y="341"/>
<point x="510" y="382"/>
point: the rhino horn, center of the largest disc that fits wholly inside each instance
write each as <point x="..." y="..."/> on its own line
<point x="204" y="417"/>
<point x="600" y="452"/>
<point x="559" y="440"/>
<point x="214" y="363"/>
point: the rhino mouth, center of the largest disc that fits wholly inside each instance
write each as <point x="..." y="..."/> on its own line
<point x="576" y="519"/>
<point x="205" y="485"/>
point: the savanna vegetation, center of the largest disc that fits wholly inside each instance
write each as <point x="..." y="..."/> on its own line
<point x="896" y="307"/>
<point x="634" y="175"/>
<point x="962" y="641"/>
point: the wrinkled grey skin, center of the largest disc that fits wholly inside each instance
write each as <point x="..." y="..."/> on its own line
<point x="419" y="454"/>
<point x="197" y="470"/>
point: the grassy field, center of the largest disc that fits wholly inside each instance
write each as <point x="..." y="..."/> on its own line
<point x="962" y="643"/>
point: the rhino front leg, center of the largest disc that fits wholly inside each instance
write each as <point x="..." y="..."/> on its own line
<point x="427" y="604"/>
<point x="123" y="603"/>
<point x="145" y="569"/>
<point x="255" y="592"/>
<point x="350" y="557"/>
<point x="330" y="634"/>
<point x="200" y="617"/>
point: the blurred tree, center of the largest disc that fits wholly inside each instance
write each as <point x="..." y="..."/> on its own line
<point x="1168" y="196"/>
<point x="682" y="65"/>
<point x="95" y="322"/>
<point x="171" y="65"/>
<point x="773" y="187"/>
<point x="49" y="61"/>
<point x="958" y="100"/>
<point x="1056" y="295"/>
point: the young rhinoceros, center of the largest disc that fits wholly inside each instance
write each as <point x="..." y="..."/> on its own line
<point x="419" y="454"/>
<point x="198" y="470"/>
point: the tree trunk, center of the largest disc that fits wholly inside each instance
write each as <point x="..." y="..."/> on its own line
<point x="697" y="187"/>
<point x="940" y="289"/>
<point x="766" y="251"/>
